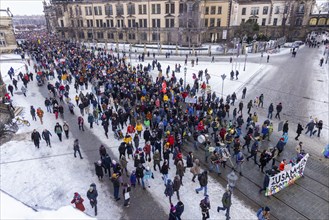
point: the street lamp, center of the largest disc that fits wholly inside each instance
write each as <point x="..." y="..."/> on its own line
<point x="245" y="59"/>
<point x="223" y="78"/>
<point x="231" y="179"/>
<point x="185" y="71"/>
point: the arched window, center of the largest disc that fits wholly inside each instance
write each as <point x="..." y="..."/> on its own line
<point x="322" y="21"/>
<point x="313" y="21"/>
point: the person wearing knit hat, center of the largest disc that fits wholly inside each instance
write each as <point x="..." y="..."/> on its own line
<point x="92" y="195"/>
<point x="116" y="186"/>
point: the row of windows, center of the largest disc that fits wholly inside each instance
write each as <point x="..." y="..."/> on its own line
<point x="100" y="35"/>
<point x="142" y="23"/>
<point x="275" y="21"/>
<point x="255" y="10"/>
<point x="211" y="22"/>
<point x="213" y="10"/>
<point x="108" y="9"/>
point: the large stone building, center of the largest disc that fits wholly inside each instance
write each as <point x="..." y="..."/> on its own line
<point x="7" y="36"/>
<point x="178" y="22"/>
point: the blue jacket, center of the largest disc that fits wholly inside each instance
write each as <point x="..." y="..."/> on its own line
<point x="147" y="174"/>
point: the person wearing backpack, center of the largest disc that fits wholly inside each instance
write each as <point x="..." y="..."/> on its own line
<point x="203" y="180"/>
<point x="205" y="206"/>
<point x="263" y="213"/>
<point x="226" y="201"/>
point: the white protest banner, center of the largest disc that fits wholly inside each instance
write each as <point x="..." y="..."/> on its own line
<point x="286" y="178"/>
<point x="190" y="100"/>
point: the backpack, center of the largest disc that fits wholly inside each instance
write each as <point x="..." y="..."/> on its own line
<point x="259" y="212"/>
<point x="240" y="157"/>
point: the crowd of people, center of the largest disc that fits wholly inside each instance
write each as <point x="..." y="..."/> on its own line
<point x="152" y="120"/>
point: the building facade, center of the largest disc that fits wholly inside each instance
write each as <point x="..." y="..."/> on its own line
<point x="7" y="36"/>
<point x="176" y="22"/>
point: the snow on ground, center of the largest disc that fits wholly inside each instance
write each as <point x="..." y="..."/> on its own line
<point x="36" y="176"/>
<point x="13" y="209"/>
<point x="216" y="49"/>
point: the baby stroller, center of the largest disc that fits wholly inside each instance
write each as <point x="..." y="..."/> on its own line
<point x="118" y="134"/>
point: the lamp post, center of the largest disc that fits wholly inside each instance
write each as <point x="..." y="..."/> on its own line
<point x="245" y="59"/>
<point x="223" y="78"/>
<point x="185" y="71"/>
<point x="234" y="44"/>
<point x="231" y="179"/>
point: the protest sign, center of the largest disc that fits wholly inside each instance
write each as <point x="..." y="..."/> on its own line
<point x="286" y="178"/>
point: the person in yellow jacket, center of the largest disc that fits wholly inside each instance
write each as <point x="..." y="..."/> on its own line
<point x="139" y="128"/>
<point x="127" y="139"/>
<point x="165" y="98"/>
<point x="255" y="117"/>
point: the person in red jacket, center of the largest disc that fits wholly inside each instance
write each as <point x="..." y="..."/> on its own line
<point x="130" y="129"/>
<point x="80" y="123"/>
<point x="147" y="150"/>
<point x="200" y="126"/>
<point x="78" y="201"/>
<point x="171" y="141"/>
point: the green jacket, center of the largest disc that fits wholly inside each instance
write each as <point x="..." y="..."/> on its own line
<point x="226" y="200"/>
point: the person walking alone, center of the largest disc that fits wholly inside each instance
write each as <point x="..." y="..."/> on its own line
<point x="92" y="195"/>
<point x="205" y="206"/>
<point x="66" y="129"/>
<point x="203" y="181"/>
<point x="278" y="110"/>
<point x="299" y="131"/>
<point x="76" y="148"/>
<point x="58" y="130"/>
<point x="226" y="201"/>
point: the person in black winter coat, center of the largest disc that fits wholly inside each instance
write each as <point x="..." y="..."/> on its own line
<point x="99" y="169"/>
<point x="285" y="127"/>
<point x="319" y="125"/>
<point x="299" y="131"/>
<point x="189" y="160"/>
<point x="35" y="136"/>
<point x="147" y="135"/>
<point x="203" y="180"/>
<point x="270" y="111"/>
<point x="179" y="209"/>
<point x="140" y="174"/>
<point x="92" y="195"/>
<point x="76" y="148"/>
<point x="169" y="191"/>
<point x="46" y="136"/>
<point x="105" y="125"/>
<point x="107" y="163"/>
<point x="122" y="149"/>
<point x="278" y="110"/>
<point x="172" y="214"/>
